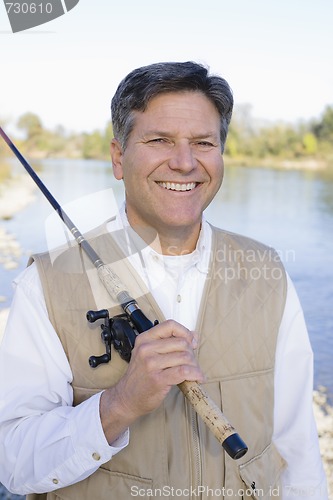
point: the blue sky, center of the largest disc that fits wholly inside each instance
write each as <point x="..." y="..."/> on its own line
<point x="276" y="55"/>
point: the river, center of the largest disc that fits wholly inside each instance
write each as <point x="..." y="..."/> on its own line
<point x="291" y="210"/>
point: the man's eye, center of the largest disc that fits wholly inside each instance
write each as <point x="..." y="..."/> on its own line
<point x="157" y="140"/>
<point x="206" y="144"/>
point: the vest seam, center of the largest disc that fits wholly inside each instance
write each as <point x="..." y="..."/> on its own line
<point x="240" y="376"/>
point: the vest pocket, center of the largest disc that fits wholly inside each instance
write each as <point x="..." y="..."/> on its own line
<point x="106" y="485"/>
<point x="261" y="474"/>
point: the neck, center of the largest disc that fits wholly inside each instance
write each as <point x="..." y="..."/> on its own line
<point x="178" y="244"/>
<point x="169" y="241"/>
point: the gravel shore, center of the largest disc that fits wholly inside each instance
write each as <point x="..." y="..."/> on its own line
<point x="14" y="196"/>
<point x="324" y="419"/>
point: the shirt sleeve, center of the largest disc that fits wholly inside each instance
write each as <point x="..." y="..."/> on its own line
<point x="45" y="442"/>
<point x="295" y="433"/>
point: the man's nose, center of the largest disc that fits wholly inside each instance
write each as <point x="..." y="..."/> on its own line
<point x="182" y="158"/>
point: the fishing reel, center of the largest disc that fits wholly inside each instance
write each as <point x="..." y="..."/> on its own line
<point x="121" y="331"/>
<point x="118" y="331"/>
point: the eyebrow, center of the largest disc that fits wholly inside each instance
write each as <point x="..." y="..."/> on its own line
<point x="163" y="133"/>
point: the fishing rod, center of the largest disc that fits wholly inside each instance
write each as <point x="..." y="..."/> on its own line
<point x="196" y="395"/>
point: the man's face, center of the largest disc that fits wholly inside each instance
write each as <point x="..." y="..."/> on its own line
<point x="172" y="166"/>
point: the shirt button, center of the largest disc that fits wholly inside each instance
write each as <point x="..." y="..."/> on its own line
<point x="96" y="456"/>
<point x="179" y="298"/>
<point x="55" y="481"/>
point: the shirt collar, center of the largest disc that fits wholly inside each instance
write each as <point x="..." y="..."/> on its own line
<point x="200" y="257"/>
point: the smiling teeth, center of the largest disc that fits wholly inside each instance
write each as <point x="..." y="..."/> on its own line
<point x="178" y="187"/>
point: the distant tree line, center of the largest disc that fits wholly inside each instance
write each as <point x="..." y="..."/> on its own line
<point x="247" y="138"/>
<point x="38" y="141"/>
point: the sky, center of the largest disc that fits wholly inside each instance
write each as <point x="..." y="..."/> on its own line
<point x="275" y="54"/>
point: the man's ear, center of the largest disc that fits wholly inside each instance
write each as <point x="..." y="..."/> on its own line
<point x="116" y="152"/>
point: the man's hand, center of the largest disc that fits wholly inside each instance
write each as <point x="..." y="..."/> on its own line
<point x="162" y="357"/>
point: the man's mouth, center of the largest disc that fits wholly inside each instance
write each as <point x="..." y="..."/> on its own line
<point x="175" y="186"/>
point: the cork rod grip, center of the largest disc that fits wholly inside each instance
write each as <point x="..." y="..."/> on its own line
<point x="214" y="419"/>
<point x="111" y="281"/>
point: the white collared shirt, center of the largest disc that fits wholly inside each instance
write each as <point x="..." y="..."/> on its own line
<point x="46" y="443"/>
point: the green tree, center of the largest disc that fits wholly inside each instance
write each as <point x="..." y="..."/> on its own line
<point x="97" y="144"/>
<point x="310" y="143"/>
<point x="107" y="136"/>
<point x="279" y="140"/>
<point x="324" y="128"/>
<point x="31" y="124"/>
<point x="92" y="145"/>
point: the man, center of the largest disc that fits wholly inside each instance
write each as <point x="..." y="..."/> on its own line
<point x="123" y="430"/>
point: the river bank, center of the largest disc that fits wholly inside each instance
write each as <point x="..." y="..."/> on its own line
<point x="19" y="192"/>
<point x="15" y="194"/>
<point x="313" y="164"/>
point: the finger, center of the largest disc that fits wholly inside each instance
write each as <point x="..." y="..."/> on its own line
<point x="167" y="329"/>
<point x="195" y="339"/>
<point x="163" y="346"/>
<point x="164" y="354"/>
<point x="162" y="361"/>
<point x="177" y="374"/>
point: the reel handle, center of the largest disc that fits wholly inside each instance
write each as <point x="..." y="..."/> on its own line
<point x="93" y="316"/>
<point x="94" y="361"/>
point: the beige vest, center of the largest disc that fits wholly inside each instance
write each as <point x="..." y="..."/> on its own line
<point x="170" y="452"/>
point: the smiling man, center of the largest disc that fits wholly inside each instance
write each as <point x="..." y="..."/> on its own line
<point x="228" y="315"/>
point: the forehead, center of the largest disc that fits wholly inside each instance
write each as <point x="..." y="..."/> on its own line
<point x="179" y="108"/>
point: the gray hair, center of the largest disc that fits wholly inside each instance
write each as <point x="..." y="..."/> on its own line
<point x="141" y="85"/>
